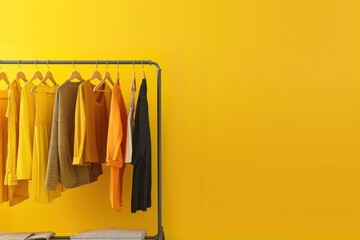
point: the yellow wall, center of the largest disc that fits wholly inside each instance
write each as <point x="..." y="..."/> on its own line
<point x="261" y="112"/>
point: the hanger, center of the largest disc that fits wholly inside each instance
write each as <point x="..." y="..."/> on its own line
<point x="37" y="74"/>
<point x="143" y="70"/>
<point x="48" y="75"/>
<point x="117" y="80"/>
<point x="133" y="84"/>
<point x="75" y="75"/>
<point x="96" y="74"/>
<point x="20" y="75"/>
<point x="103" y="80"/>
<point x="3" y="76"/>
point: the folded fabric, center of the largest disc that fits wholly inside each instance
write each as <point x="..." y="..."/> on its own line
<point x="15" y="235"/>
<point x="111" y="234"/>
<point x="41" y="236"/>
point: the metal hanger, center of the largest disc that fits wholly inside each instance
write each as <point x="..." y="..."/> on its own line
<point x="48" y="75"/>
<point x="75" y="75"/>
<point x="103" y="80"/>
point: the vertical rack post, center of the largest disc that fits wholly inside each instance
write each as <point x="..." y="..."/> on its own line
<point x="159" y="153"/>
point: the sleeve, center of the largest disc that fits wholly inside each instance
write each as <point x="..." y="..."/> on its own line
<point x="53" y="169"/>
<point x="80" y="127"/>
<point x="113" y="150"/>
<point x="8" y="172"/>
<point x="7" y="114"/>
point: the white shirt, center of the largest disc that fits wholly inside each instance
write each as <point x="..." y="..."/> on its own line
<point x="130" y="123"/>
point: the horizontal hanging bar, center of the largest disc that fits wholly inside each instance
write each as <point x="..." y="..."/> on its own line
<point x="120" y="62"/>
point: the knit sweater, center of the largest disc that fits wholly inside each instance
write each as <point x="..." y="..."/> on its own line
<point x="60" y="168"/>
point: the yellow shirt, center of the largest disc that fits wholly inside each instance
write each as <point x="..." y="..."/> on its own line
<point x="18" y="189"/>
<point x="116" y="146"/>
<point x="26" y="135"/>
<point x="91" y="124"/>
<point x="3" y="144"/>
<point x="44" y="100"/>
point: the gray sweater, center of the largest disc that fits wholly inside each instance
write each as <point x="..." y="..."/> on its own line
<point x="60" y="168"/>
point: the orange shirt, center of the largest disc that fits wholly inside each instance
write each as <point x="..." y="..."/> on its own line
<point x="116" y="144"/>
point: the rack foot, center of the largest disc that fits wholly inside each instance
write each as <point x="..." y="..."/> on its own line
<point x="161" y="235"/>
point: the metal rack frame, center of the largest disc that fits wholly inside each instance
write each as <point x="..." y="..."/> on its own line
<point x="160" y="234"/>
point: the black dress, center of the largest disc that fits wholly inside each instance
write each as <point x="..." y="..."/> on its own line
<point x="141" y="156"/>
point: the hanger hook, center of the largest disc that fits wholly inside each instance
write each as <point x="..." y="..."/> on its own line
<point x="117" y="63"/>
<point x="142" y="65"/>
<point x="107" y="68"/>
<point x="47" y="64"/>
<point x="36" y="65"/>
<point x="134" y="70"/>
<point x="97" y="68"/>
<point x="74" y="65"/>
<point x="18" y="63"/>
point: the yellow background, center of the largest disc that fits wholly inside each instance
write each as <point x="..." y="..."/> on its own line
<point x="261" y="112"/>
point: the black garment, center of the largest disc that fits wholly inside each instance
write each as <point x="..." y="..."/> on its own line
<point x="141" y="155"/>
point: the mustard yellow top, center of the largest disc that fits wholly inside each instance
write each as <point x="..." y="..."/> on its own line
<point x="116" y="146"/>
<point x="26" y="135"/>
<point x="44" y="100"/>
<point x="91" y="124"/>
<point x="18" y="190"/>
<point x="3" y="144"/>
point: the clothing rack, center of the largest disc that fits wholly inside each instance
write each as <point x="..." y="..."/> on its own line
<point x="160" y="234"/>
